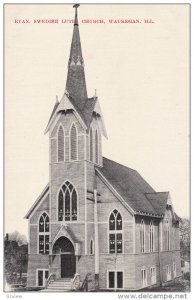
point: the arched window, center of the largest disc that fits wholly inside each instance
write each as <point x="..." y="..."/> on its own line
<point x="73" y="141"/>
<point x="60" y="206"/>
<point x="91" y="247"/>
<point x="91" y="145"/>
<point x="166" y="235"/>
<point x="151" y="236"/>
<point x="142" y="236"/>
<point x="44" y="234"/>
<point x="96" y="147"/>
<point x="115" y="233"/>
<point x="60" y="144"/>
<point x="67" y="203"/>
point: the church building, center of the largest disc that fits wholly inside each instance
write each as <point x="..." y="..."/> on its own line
<point x="97" y="225"/>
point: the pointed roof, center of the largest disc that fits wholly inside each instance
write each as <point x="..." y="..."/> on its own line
<point x="76" y="83"/>
<point x="76" y="91"/>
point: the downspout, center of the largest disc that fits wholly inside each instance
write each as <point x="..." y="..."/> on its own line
<point x="96" y="243"/>
<point x="159" y="251"/>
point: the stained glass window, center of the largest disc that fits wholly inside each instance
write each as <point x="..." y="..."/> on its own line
<point x="115" y="233"/>
<point x="67" y="203"/>
<point x="43" y="234"/>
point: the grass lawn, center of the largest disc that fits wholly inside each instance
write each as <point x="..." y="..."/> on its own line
<point x="180" y="285"/>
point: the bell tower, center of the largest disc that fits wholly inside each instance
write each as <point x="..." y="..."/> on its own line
<point x="75" y="130"/>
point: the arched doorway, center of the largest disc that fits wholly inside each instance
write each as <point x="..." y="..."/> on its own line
<point x="65" y="248"/>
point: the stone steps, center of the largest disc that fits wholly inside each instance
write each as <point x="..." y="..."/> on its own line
<point x="60" y="285"/>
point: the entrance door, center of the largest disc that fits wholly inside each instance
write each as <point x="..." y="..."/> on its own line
<point x="68" y="260"/>
<point x="68" y="265"/>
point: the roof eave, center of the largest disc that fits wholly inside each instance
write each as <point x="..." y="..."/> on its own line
<point x="37" y="202"/>
<point x="62" y="107"/>
<point x="146" y="214"/>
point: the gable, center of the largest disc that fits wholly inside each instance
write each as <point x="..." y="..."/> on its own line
<point x="84" y="109"/>
<point x="65" y="231"/>
<point x="41" y="203"/>
<point x="158" y="201"/>
<point x="97" y="110"/>
<point x="66" y="120"/>
<point x="113" y="191"/>
<point x="64" y="106"/>
<point x="108" y="202"/>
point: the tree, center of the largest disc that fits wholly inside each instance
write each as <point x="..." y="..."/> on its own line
<point x="15" y="256"/>
<point x="18" y="237"/>
<point x="185" y="238"/>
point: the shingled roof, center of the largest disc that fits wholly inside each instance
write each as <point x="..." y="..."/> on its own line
<point x="135" y="191"/>
<point x="76" y="82"/>
<point x="85" y="108"/>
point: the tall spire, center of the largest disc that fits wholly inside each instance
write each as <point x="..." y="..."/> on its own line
<point x="76" y="19"/>
<point x="76" y="83"/>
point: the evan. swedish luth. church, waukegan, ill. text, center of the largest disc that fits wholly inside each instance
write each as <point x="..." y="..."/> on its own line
<point x="97" y="222"/>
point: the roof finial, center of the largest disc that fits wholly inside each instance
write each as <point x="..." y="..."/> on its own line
<point x="76" y="19"/>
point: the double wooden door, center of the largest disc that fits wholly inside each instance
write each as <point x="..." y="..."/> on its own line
<point x="68" y="265"/>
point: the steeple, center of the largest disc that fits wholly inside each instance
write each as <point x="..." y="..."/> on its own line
<point x="76" y="83"/>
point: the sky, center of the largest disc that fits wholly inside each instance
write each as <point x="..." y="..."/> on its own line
<point x="141" y="74"/>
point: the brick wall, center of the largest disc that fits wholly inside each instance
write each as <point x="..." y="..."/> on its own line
<point x="109" y="202"/>
<point x="66" y="121"/>
<point x="80" y="172"/>
<point x="146" y="260"/>
<point x="73" y="172"/>
<point x="122" y="262"/>
<point x="168" y="258"/>
<point x="39" y="210"/>
<point x="85" y="265"/>
<point x="147" y="221"/>
<point x="35" y="262"/>
<point x="33" y="240"/>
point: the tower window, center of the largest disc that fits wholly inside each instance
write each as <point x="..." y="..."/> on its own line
<point x="43" y="234"/>
<point x="60" y="144"/>
<point x="73" y="141"/>
<point x="115" y="233"/>
<point x="67" y="203"/>
<point x="91" y="247"/>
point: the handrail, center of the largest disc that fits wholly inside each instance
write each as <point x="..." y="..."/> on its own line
<point x="75" y="282"/>
<point x="84" y="285"/>
<point x="51" y="276"/>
